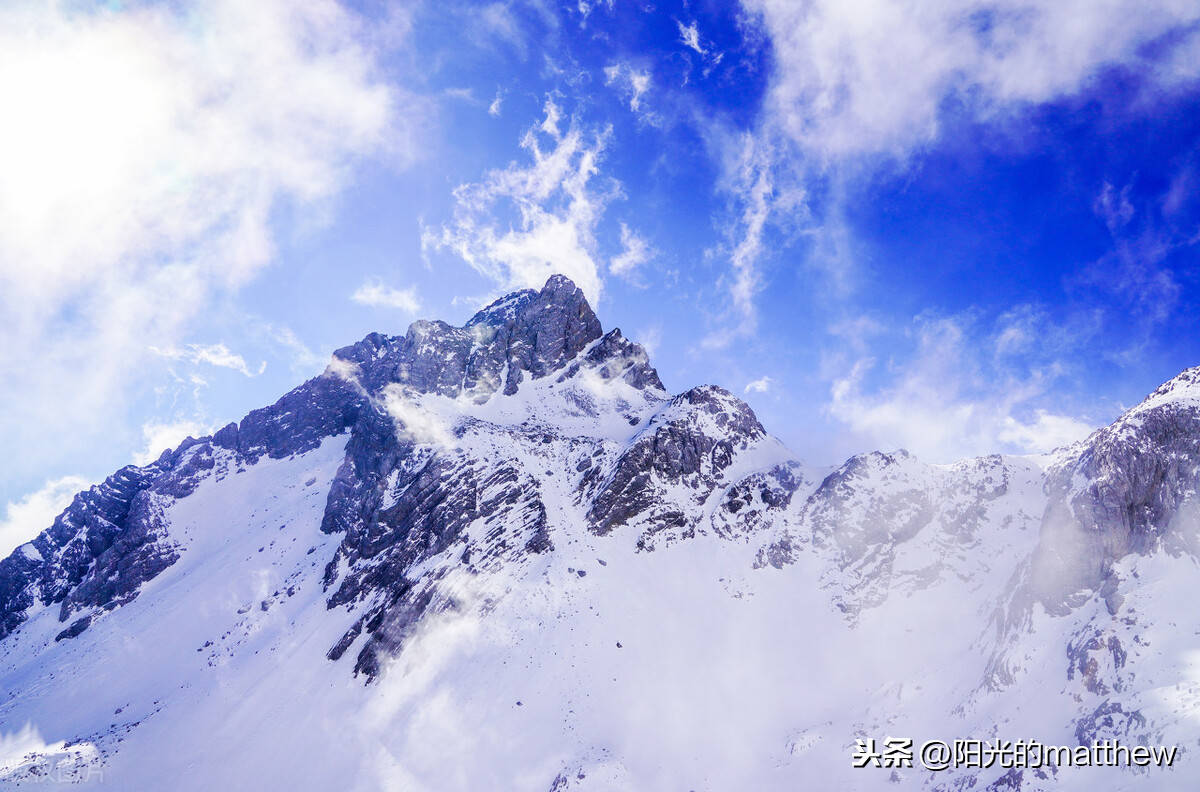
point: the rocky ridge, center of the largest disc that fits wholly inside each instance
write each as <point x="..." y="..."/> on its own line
<point x="475" y="453"/>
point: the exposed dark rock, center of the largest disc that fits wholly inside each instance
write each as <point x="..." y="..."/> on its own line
<point x="689" y="443"/>
<point x="1088" y="654"/>
<point x="397" y="623"/>
<point x="77" y="627"/>
<point x="614" y="357"/>
<point x="434" y="497"/>
<point x="1119" y="493"/>
<point x="138" y="553"/>
<point x="526" y="334"/>
<point x="112" y="539"/>
<point x="66" y="551"/>
<point x="322" y="407"/>
<point x="1111" y="721"/>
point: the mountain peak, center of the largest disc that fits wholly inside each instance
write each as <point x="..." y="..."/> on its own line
<point x="1182" y="389"/>
<point x="524" y="335"/>
<point x="561" y="529"/>
<point x="558" y="295"/>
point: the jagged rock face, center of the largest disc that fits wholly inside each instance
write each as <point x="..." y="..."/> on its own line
<point x="322" y="407"/>
<point x="1121" y="492"/>
<point x="490" y="511"/>
<point x="878" y="508"/>
<point x="478" y="496"/>
<point x="399" y="504"/>
<point x="112" y="539"/>
<point x="685" y="447"/>
<point x="462" y="469"/>
<point x="70" y="562"/>
<point x="616" y="357"/>
<point x="528" y="334"/>
<point x="757" y="503"/>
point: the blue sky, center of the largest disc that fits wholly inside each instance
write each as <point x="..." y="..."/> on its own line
<point x="960" y="227"/>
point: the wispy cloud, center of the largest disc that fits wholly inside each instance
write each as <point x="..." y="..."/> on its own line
<point x="301" y="356"/>
<point x="689" y="36"/>
<point x="650" y="338"/>
<point x="217" y="355"/>
<point x="586" y="7"/>
<point x="416" y="422"/>
<point x="1114" y="206"/>
<point x="632" y="83"/>
<point x="635" y="251"/>
<point x="559" y="199"/>
<point x="761" y="193"/>
<point x="376" y="295"/>
<point x="1133" y="283"/>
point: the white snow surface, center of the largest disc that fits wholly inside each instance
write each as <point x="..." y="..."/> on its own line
<point x="597" y="666"/>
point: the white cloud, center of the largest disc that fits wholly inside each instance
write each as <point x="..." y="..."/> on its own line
<point x="213" y="354"/>
<point x="633" y="83"/>
<point x="1183" y="65"/>
<point x="162" y="436"/>
<point x="347" y="370"/>
<point x="376" y="295"/>
<point x="549" y="124"/>
<point x="635" y="251"/>
<point x="857" y="85"/>
<point x="1045" y="431"/>
<point x="1114" y="207"/>
<point x="415" y="422"/>
<point x="494" y="107"/>
<point x="145" y="131"/>
<point x="462" y="94"/>
<point x="34" y="513"/>
<point x="757" y="189"/>
<point x="495" y="23"/>
<point x="871" y="77"/>
<point x="951" y="399"/>
<point x="413" y="413"/>
<point x="857" y="332"/>
<point x="302" y="357"/>
<point x="760" y="192"/>
<point x="557" y="204"/>
<point x="689" y="36"/>
<point x="585" y="6"/>
<point x="144" y="153"/>
<point x="760" y="385"/>
<point x="651" y="339"/>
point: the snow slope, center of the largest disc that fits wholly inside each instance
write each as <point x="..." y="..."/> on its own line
<point x="504" y="557"/>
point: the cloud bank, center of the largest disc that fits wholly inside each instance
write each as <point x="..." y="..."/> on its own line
<point x="145" y="152"/>
<point x="877" y="76"/>
<point x="960" y="393"/>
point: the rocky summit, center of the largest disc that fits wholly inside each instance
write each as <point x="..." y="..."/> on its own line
<point x="504" y="556"/>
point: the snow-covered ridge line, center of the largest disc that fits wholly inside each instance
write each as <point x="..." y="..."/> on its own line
<point x="503" y="556"/>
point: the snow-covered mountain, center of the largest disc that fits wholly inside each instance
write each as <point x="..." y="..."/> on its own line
<point x="501" y="556"/>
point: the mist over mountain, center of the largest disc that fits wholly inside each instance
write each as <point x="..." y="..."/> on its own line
<point x="504" y="556"/>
